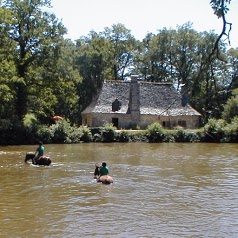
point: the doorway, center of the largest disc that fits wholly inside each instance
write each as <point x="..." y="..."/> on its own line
<point x="115" y="122"/>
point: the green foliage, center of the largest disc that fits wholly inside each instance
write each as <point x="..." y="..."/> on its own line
<point x="231" y="107"/>
<point x="48" y="75"/>
<point x="155" y="133"/>
<point x="45" y="134"/>
<point x="108" y="133"/>
<point x="169" y="136"/>
<point x="63" y="132"/>
<point x="214" y="130"/>
<point x="97" y="137"/>
<point x="123" y="136"/>
<point x="12" y="132"/>
<point x="86" y="134"/>
<point x="182" y="135"/>
<point x="30" y="120"/>
<point x="231" y="131"/>
<point x="32" y="32"/>
<point x="220" y="7"/>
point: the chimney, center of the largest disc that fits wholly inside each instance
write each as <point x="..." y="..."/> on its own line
<point x="134" y="100"/>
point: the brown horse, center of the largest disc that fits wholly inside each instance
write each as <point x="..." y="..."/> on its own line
<point x="105" y="179"/>
<point x="43" y="160"/>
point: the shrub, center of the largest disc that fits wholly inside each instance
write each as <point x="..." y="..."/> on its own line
<point x="182" y="135"/>
<point x="85" y="134"/>
<point x="231" y="131"/>
<point x="30" y="121"/>
<point x="168" y="136"/>
<point x="12" y="132"/>
<point x="108" y="133"/>
<point x="214" y="130"/>
<point x="63" y="132"/>
<point x="45" y="134"/>
<point x="138" y="137"/>
<point x="97" y="137"/>
<point x="123" y="136"/>
<point x="231" y="107"/>
<point x="154" y="133"/>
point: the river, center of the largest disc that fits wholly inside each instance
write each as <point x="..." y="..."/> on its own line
<point x="160" y="190"/>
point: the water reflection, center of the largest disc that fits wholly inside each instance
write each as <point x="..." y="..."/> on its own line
<point x="159" y="190"/>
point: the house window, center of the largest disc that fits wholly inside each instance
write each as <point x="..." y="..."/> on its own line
<point x="115" y="122"/>
<point x="166" y="124"/>
<point x="116" y="105"/>
<point x="182" y="123"/>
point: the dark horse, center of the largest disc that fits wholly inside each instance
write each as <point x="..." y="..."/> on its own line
<point x="105" y="179"/>
<point x="43" y="160"/>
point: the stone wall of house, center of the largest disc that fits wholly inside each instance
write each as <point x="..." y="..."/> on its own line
<point x="170" y="122"/>
<point x="125" y="122"/>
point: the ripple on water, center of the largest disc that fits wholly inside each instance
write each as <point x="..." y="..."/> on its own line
<point x="158" y="191"/>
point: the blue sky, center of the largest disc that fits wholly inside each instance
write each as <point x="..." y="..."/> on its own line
<point x="141" y="16"/>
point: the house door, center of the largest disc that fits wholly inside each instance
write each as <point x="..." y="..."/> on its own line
<point x="115" y="122"/>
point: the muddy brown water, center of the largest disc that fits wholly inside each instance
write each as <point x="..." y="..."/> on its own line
<point x="159" y="190"/>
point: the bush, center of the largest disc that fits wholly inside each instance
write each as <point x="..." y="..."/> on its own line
<point x="30" y="121"/>
<point x="168" y="136"/>
<point x="85" y="134"/>
<point x="231" y="107"/>
<point x="182" y="135"/>
<point x="97" y="137"/>
<point x="123" y="136"/>
<point x="108" y="133"/>
<point x="63" y="132"/>
<point x="12" y="132"/>
<point x="231" y="131"/>
<point x="45" y="134"/>
<point x="214" y="130"/>
<point x="154" y="133"/>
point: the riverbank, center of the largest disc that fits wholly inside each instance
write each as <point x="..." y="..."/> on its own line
<point x="64" y="133"/>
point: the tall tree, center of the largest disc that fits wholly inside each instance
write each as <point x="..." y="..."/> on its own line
<point x="220" y="8"/>
<point x="122" y="43"/>
<point x="232" y="55"/>
<point x="56" y="78"/>
<point x="8" y="74"/>
<point x="92" y="60"/>
<point x="33" y="31"/>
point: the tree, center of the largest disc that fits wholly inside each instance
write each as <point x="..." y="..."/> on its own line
<point x="121" y="45"/>
<point x="220" y="8"/>
<point x="231" y="107"/>
<point x="91" y="60"/>
<point x="56" y="78"/>
<point x="232" y="55"/>
<point x="33" y="31"/>
<point x="8" y="74"/>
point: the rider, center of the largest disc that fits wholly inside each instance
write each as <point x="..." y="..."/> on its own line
<point x="39" y="151"/>
<point x="104" y="169"/>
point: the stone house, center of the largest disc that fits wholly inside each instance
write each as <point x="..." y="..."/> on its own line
<point x="139" y="104"/>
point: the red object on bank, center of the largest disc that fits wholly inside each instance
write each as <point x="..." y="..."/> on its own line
<point x="57" y="118"/>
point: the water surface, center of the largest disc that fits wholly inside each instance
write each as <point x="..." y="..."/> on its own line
<point x="159" y="190"/>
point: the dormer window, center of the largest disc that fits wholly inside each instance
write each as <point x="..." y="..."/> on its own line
<point x="116" y="105"/>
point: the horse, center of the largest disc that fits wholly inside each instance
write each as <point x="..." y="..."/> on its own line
<point x="43" y="160"/>
<point x="105" y="179"/>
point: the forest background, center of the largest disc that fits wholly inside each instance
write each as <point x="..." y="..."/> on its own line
<point x="43" y="74"/>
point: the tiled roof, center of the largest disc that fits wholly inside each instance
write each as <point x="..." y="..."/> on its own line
<point x="155" y="99"/>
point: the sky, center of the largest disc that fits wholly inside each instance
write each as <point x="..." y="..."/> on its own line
<point x="141" y="16"/>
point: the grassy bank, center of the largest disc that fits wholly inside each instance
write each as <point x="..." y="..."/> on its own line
<point x="63" y="132"/>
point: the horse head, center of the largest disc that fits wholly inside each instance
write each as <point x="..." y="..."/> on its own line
<point x="97" y="171"/>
